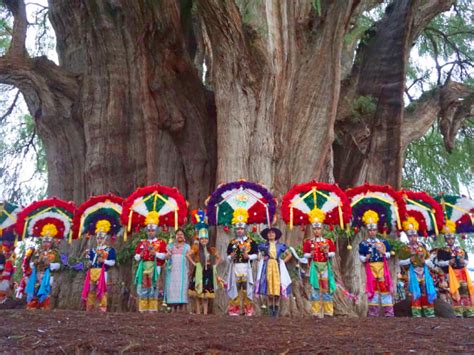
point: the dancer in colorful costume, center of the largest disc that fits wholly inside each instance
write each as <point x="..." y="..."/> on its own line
<point x="8" y="218"/>
<point x="205" y="259"/>
<point x="6" y="269"/>
<point x="150" y="254"/>
<point x="459" y="212"/>
<point x="238" y="204"/>
<point x="49" y="221"/>
<point x="318" y="203"/>
<point x="45" y="260"/>
<point x="420" y="282"/>
<point x="374" y="253"/>
<point x="320" y="251"/>
<point x="99" y="217"/>
<point x="273" y="279"/>
<point x="454" y="260"/>
<point x="152" y="206"/>
<point x="241" y="251"/>
<point x="379" y="209"/>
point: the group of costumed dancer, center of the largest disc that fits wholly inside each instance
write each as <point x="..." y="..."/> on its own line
<point x="378" y="213"/>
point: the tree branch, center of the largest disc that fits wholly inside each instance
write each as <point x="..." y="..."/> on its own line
<point x="38" y="75"/>
<point x="427" y="12"/>
<point x="11" y="107"/>
<point x="12" y="71"/>
<point x="452" y="118"/>
<point x="452" y="103"/>
<point x="435" y="57"/>
<point x="20" y="26"/>
<point x="447" y="40"/>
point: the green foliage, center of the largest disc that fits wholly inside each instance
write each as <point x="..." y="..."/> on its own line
<point x="363" y="105"/>
<point x="251" y="12"/>
<point x="317" y="6"/>
<point x="400" y="249"/>
<point x="23" y="168"/>
<point x="445" y="49"/>
<point x="19" y="254"/>
<point x="429" y="167"/>
<point x="125" y="255"/>
<point x="467" y="243"/>
<point x="359" y="31"/>
<point x="5" y="29"/>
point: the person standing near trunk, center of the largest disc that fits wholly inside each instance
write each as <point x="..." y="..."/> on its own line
<point x="98" y="219"/>
<point x="205" y="260"/>
<point x="421" y="286"/>
<point x="454" y="260"/>
<point x="176" y="288"/>
<point x="273" y="279"/>
<point x="44" y="262"/>
<point x="241" y="251"/>
<point x="238" y="204"/>
<point x="101" y="259"/>
<point x="374" y="253"/>
<point x="320" y="251"/>
<point x="150" y="254"/>
<point x="6" y="270"/>
<point x="152" y="206"/>
<point x="46" y="222"/>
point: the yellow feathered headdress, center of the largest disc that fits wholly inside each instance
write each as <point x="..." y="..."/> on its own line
<point x="316" y="217"/>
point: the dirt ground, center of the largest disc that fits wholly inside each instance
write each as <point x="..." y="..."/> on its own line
<point x="64" y="331"/>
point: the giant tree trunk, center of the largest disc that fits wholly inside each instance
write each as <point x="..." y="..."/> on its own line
<point x="124" y="108"/>
<point x="275" y="71"/>
<point x="143" y="107"/>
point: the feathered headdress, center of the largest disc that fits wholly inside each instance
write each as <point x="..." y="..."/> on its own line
<point x="50" y="218"/>
<point x="8" y="218"/>
<point x="316" y="202"/>
<point x="240" y="203"/>
<point x="371" y="219"/>
<point x="199" y="220"/>
<point x="449" y="228"/>
<point x="460" y="210"/>
<point x="99" y="214"/>
<point x="411" y="226"/>
<point x="425" y="211"/>
<point x="387" y="203"/>
<point x="156" y="205"/>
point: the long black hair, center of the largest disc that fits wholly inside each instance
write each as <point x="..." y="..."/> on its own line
<point x="180" y="230"/>
<point x="202" y="256"/>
